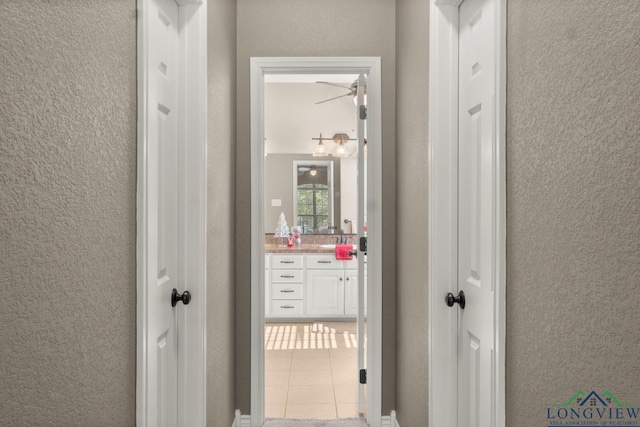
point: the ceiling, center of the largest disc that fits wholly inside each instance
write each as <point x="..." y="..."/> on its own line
<point x="292" y="116"/>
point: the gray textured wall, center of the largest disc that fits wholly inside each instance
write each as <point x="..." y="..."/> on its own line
<point x="67" y="206"/>
<point x="312" y="28"/>
<point x="221" y="131"/>
<point x="412" y="116"/>
<point x="573" y="196"/>
<point x="67" y="213"/>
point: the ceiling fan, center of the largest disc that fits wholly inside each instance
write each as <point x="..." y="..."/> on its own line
<point x="353" y="90"/>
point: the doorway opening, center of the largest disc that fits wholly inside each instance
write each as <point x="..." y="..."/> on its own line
<point x="310" y="220"/>
<point x="311" y="192"/>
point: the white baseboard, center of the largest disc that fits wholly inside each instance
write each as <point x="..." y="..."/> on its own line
<point x="389" y="420"/>
<point x="245" y="420"/>
<point x="241" y="420"/>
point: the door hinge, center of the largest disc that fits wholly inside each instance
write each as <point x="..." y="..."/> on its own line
<point x="363" y="112"/>
<point x="363" y="244"/>
<point x="363" y="376"/>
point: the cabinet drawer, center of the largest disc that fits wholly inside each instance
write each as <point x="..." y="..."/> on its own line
<point x="286" y="291"/>
<point x="323" y="261"/>
<point x="286" y="308"/>
<point x="286" y="276"/>
<point x="286" y="261"/>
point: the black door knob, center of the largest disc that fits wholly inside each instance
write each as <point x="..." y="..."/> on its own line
<point x="451" y="299"/>
<point x="175" y="297"/>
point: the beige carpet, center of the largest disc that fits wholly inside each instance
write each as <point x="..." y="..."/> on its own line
<point x="348" y="422"/>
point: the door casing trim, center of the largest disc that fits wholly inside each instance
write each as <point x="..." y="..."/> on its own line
<point x="192" y="131"/>
<point x="443" y="185"/>
<point x="318" y="65"/>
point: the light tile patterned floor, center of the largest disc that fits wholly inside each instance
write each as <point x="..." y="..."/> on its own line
<point x="311" y="370"/>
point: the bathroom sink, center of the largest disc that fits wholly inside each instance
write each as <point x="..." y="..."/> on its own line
<point x="333" y="246"/>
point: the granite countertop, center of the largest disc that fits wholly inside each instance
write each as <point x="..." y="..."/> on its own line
<point x="302" y="249"/>
<point x="311" y="244"/>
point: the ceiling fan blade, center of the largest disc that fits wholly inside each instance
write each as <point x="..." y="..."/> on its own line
<point x="331" y="99"/>
<point x="336" y="85"/>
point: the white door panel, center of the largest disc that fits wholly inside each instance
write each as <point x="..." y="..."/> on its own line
<point x="163" y="208"/>
<point x="476" y="219"/>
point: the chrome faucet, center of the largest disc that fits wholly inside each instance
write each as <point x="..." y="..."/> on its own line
<point x="342" y="240"/>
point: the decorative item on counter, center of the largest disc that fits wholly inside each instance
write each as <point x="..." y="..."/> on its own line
<point x="282" y="229"/>
<point x="290" y="241"/>
<point x="297" y="235"/>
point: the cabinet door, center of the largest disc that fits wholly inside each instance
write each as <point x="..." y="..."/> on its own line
<point x="351" y="293"/>
<point x="324" y="293"/>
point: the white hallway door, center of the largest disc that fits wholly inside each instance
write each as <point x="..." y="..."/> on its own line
<point x="476" y="213"/>
<point x="171" y="250"/>
<point x="163" y="267"/>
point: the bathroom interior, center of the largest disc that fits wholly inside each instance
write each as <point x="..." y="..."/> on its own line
<point x="312" y="333"/>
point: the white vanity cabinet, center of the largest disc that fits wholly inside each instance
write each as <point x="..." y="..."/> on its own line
<point x="311" y="286"/>
<point x="287" y="291"/>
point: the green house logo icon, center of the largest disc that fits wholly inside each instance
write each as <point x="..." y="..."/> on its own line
<point x="593" y="399"/>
